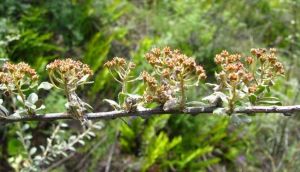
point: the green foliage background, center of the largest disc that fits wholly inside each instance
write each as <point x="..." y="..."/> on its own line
<point x="94" y="31"/>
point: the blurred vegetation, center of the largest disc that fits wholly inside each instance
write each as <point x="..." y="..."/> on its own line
<point x="94" y="31"/>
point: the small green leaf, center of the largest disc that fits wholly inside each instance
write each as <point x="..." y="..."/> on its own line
<point x="252" y="98"/>
<point x="45" y="86"/>
<point x="260" y="89"/>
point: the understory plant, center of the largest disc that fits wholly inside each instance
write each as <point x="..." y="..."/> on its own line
<point x="57" y="146"/>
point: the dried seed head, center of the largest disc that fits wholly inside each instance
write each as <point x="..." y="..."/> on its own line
<point x="156" y="52"/>
<point x="174" y="62"/>
<point x="248" y="77"/>
<point x="5" y="78"/>
<point x="173" y="68"/>
<point x="116" y="62"/>
<point x="252" y="88"/>
<point x="149" y="80"/>
<point x="224" y="53"/>
<point x="279" y="68"/>
<point x="249" y="60"/>
<point x="69" y="65"/>
<point x="19" y="71"/>
<point x="70" y="68"/>
<point x="273" y="50"/>
<point x="219" y="59"/>
<point x="233" y="77"/>
<point x="272" y="58"/>
<point x="167" y="51"/>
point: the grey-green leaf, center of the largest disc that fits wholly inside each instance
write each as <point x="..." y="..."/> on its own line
<point x="220" y="111"/>
<point x="33" y="98"/>
<point x="45" y="86"/>
<point x="113" y="103"/>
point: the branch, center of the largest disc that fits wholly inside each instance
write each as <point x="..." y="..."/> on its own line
<point x="286" y="110"/>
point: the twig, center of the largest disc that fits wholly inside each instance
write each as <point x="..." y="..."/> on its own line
<point x="111" y="152"/>
<point x="58" y="163"/>
<point x="92" y="150"/>
<point x="153" y="112"/>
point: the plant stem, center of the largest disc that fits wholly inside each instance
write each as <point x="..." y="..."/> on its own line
<point x="182" y="91"/>
<point x="232" y="99"/>
<point x="22" y="140"/>
<point x="20" y="93"/>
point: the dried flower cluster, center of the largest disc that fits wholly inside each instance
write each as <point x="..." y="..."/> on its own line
<point x="14" y="75"/>
<point x="156" y="92"/>
<point x="68" y="74"/>
<point x="270" y="67"/>
<point x="176" y="72"/>
<point x="171" y="64"/>
<point x="233" y="70"/>
<point x="241" y="76"/>
<point x="122" y="68"/>
<point x="15" y="79"/>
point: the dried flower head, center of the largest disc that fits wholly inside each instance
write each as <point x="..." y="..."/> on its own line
<point x="20" y="71"/>
<point x="67" y="75"/>
<point x="176" y="72"/>
<point x="249" y="60"/>
<point x="174" y="62"/>
<point x="120" y="66"/>
<point x="120" y="69"/>
<point x="18" y="75"/>
<point x="15" y="79"/>
<point x="5" y="78"/>
<point x="252" y="88"/>
<point x="70" y="68"/>
<point x="236" y="77"/>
